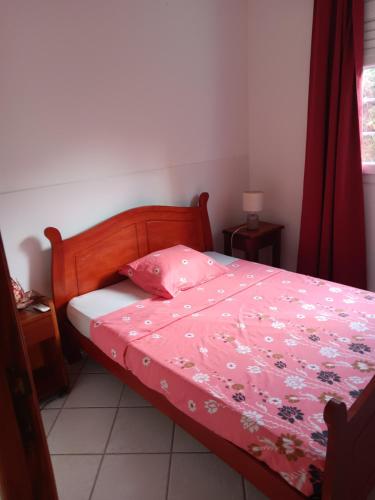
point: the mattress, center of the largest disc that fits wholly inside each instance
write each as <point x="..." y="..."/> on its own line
<point x="84" y="308"/>
<point x="253" y="355"/>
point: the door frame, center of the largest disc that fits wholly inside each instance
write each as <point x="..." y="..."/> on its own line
<point x="25" y="464"/>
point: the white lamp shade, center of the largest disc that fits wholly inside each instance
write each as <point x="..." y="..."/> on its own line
<point x="252" y="201"/>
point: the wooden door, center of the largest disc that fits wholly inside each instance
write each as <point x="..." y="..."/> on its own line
<point x="25" y="465"/>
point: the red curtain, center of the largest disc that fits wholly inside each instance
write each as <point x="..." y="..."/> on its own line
<point x="332" y="238"/>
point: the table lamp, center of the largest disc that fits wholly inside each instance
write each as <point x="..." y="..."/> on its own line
<point x="252" y="203"/>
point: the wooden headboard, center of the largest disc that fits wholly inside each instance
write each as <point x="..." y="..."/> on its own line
<point x="91" y="260"/>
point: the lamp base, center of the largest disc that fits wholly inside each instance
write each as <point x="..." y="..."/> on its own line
<point x="252" y="222"/>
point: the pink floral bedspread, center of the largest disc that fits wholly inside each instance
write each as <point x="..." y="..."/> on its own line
<point x="254" y="355"/>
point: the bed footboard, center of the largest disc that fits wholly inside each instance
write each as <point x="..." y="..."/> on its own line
<point x="350" y="464"/>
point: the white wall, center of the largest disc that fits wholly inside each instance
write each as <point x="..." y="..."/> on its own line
<point x="279" y="63"/>
<point x="110" y="105"/>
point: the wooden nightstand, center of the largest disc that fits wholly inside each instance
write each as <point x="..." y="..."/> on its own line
<point x="44" y="348"/>
<point x="252" y="241"/>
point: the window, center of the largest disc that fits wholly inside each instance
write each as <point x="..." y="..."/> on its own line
<point x="368" y="90"/>
<point x="368" y="118"/>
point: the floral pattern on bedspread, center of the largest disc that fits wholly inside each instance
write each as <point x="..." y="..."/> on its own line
<point x="258" y="363"/>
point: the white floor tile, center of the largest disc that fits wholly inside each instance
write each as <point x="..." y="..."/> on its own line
<point x="92" y="366"/>
<point x="203" y="476"/>
<point x="94" y="390"/>
<point x="48" y="417"/>
<point x="252" y="493"/>
<point x="75" y="475"/>
<point x="82" y="431"/>
<point x="184" y="442"/>
<point x="131" y="398"/>
<point x="140" y="430"/>
<point x="132" y="477"/>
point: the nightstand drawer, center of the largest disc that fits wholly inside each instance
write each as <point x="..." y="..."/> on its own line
<point x="38" y="330"/>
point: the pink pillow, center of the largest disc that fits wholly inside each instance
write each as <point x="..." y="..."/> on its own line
<point x="167" y="272"/>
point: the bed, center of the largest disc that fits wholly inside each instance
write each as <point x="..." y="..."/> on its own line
<point x="90" y="261"/>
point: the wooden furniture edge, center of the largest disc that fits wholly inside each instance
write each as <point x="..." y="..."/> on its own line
<point x="25" y="465"/>
<point x="351" y="445"/>
<point x="272" y="227"/>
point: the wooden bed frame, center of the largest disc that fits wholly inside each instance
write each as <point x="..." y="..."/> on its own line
<point x="91" y="260"/>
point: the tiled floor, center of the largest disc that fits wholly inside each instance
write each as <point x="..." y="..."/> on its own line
<point x="108" y="443"/>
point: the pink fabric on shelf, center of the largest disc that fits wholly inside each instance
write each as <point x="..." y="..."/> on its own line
<point x="254" y="355"/>
<point x="167" y="272"/>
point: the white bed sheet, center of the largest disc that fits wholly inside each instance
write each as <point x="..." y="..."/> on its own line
<point x="84" y="308"/>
